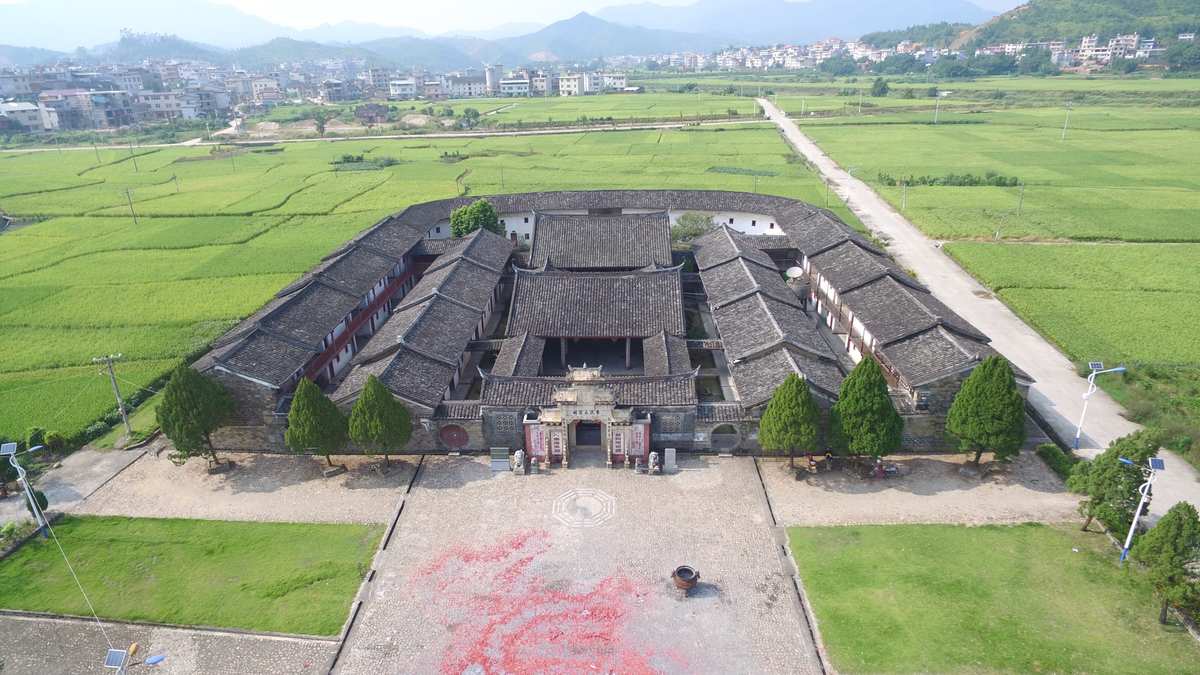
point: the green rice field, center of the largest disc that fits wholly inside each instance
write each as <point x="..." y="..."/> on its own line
<point x="220" y="230"/>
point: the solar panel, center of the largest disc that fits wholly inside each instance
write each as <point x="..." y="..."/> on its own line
<point x="8" y="449"/>
<point x="115" y="658"/>
<point x="1096" y="365"/>
<point x="1157" y="464"/>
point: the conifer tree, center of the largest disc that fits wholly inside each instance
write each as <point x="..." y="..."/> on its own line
<point x="378" y="421"/>
<point x="1171" y="553"/>
<point x="988" y="413"/>
<point x="791" y="419"/>
<point x="314" y="422"/>
<point x="193" y="406"/>
<point x="864" y="421"/>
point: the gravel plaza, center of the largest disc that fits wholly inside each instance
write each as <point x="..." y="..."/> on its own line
<point x="931" y="490"/>
<point x="570" y="571"/>
<point x="281" y="488"/>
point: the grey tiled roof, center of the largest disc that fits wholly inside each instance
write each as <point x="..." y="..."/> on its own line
<point x="928" y="356"/>
<point x="596" y="304"/>
<point x="457" y="410"/>
<point x="665" y="355"/>
<point x="310" y="314"/>
<point x="671" y="390"/>
<point x="848" y="266"/>
<point x="520" y="355"/>
<point x="757" y="321"/>
<point x="735" y="278"/>
<point x="891" y="310"/>
<point x="723" y="411"/>
<point x="757" y="378"/>
<point x="724" y="244"/>
<point x="437" y="326"/>
<point x="266" y="358"/>
<point x="602" y="242"/>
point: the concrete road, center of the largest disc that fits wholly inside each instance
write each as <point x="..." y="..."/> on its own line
<point x="81" y="474"/>
<point x="1058" y="392"/>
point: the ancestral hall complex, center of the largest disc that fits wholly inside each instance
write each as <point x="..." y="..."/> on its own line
<point x="582" y="328"/>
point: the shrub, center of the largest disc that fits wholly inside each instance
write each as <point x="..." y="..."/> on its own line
<point x="55" y="441"/>
<point x="35" y="436"/>
<point x="1059" y="462"/>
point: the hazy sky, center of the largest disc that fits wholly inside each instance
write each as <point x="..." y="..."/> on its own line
<point x="438" y="17"/>
<point x="431" y="17"/>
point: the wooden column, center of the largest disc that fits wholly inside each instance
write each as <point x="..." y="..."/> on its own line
<point x="562" y="352"/>
<point x="628" y="342"/>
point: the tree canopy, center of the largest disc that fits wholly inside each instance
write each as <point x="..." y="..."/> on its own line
<point x="791" y="420"/>
<point x="478" y="215"/>
<point x="379" y="421"/>
<point x="864" y="421"/>
<point x="1171" y="551"/>
<point x="192" y="407"/>
<point x="1110" y="484"/>
<point x="988" y="413"/>
<point x="314" y="422"/>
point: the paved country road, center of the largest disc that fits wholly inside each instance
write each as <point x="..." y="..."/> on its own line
<point x="1058" y="391"/>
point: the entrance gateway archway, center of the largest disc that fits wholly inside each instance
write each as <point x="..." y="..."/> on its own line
<point x="585" y="415"/>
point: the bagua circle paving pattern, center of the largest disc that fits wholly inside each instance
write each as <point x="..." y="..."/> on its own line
<point x="584" y="507"/>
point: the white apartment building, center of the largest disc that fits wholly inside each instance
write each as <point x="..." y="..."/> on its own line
<point x="14" y="84"/>
<point x="25" y="114"/>
<point x="160" y="105"/>
<point x="403" y="90"/>
<point x="265" y="90"/>
<point x="514" y="87"/>
<point x="465" y="86"/>
<point x="574" y="84"/>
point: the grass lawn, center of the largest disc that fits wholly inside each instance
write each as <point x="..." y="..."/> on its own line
<point x="143" y="420"/>
<point x="952" y="599"/>
<point x="285" y="577"/>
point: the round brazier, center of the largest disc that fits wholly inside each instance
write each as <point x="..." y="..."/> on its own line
<point x="685" y="577"/>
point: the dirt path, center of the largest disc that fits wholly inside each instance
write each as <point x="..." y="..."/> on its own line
<point x="1057" y="393"/>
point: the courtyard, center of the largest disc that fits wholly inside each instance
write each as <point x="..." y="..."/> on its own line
<point x="570" y="570"/>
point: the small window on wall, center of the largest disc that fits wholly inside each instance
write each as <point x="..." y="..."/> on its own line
<point x="526" y="236"/>
<point x="772" y="226"/>
<point x="731" y="220"/>
<point x="754" y="223"/>
<point x="526" y="219"/>
<point x="437" y="230"/>
<point x="502" y="221"/>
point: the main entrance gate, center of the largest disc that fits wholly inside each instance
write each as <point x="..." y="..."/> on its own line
<point x="585" y="414"/>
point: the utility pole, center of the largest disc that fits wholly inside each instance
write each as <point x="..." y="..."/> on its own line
<point x="1065" y="123"/>
<point x="112" y="376"/>
<point x="502" y="179"/>
<point x="756" y="183"/>
<point x="1021" y="199"/>
<point x="803" y="101"/>
<point x="937" y="107"/>
<point x="129" y="198"/>
<point x="176" y="179"/>
<point x="860" y="95"/>
<point x="903" y="196"/>
<point x="97" y="151"/>
<point x="133" y="156"/>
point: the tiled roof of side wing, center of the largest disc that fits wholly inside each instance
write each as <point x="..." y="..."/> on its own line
<point x="665" y="355"/>
<point x="521" y="355"/>
<point x="757" y="378"/>
<point x="891" y="310"/>
<point x="266" y="358"/>
<point x="848" y="266"/>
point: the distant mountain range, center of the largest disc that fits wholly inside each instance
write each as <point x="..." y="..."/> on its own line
<point x="581" y="38"/>
<point x="775" y="21"/>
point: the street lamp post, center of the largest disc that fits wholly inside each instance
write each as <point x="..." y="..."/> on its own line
<point x="9" y="450"/>
<point x="1150" y="472"/>
<point x="1097" y="369"/>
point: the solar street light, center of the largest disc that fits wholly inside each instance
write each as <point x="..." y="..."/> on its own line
<point x="1097" y="368"/>
<point x="1153" y="466"/>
